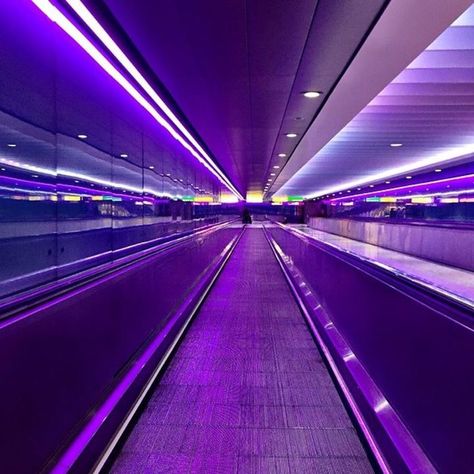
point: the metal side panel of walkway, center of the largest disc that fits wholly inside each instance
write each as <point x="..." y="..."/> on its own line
<point x="247" y="390"/>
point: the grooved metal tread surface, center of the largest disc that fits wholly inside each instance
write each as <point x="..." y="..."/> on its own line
<point x="247" y="390"/>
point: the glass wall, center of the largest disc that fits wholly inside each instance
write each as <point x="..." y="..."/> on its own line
<point x="444" y="195"/>
<point x="86" y="174"/>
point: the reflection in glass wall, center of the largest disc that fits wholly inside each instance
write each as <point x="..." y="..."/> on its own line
<point x="86" y="175"/>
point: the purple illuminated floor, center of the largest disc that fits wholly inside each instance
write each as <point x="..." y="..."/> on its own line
<point x="247" y="390"/>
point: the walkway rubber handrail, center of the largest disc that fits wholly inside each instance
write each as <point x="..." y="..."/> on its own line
<point x="161" y="346"/>
<point x="28" y="299"/>
<point x="418" y="283"/>
<point x="334" y="346"/>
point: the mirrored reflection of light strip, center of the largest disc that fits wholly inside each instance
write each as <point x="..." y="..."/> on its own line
<point x="25" y="166"/>
<point x="406" y="187"/>
<point x="435" y="194"/>
<point x="24" y="190"/>
<point x="112" y="46"/>
<point x="55" y="15"/>
<point x="71" y="174"/>
<point x="442" y="157"/>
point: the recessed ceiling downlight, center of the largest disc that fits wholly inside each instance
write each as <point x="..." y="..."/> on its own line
<point x="311" y="94"/>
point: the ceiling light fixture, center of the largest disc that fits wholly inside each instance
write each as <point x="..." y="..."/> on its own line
<point x="311" y="94"/>
<point x="11" y="145"/>
<point x="291" y="135"/>
<point x="408" y="177"/>
<point x="396" y="145"/>
<point x="55" y="15"/>
<point x="123" y="155"/>
<point x="438" y="170"/>
<point x="151" y="167"/>
<point x="438" y="158"/>
<point x="272" y="174"/>
<point x="282" y="155"/>
<point x="82" y="136"/>
<point x="276" y="167"/>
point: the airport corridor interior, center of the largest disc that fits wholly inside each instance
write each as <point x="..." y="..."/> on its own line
<point x="236" y="236"/>
<point x="247" y="389"/>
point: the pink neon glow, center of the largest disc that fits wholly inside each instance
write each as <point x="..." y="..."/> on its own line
<point x="57" y="17"/>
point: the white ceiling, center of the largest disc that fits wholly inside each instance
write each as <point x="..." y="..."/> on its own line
<point x="428" y="107"/>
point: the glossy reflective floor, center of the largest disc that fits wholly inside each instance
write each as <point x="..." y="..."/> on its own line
<point x="247" y="390"/>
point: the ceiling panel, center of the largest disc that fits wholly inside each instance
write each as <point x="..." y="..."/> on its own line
<point x="237" y="68"/>
<point x="428" y="108"/>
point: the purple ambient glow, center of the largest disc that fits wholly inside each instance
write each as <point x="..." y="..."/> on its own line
<point x="55" y="15"/>
<point x="459" y="181"/>
<point x="112" y="46"/>
<point x="66" y="191"/>
<point x="79" y="176"/>
<point x="420" y="109"/>
<point x="105" y="410"/>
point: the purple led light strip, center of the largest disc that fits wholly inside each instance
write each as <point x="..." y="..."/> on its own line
<point x="69" y="174"/>
<point x="78" y="445"/>
<point x="55" y="15"/>
<point x="282" y="259"/>
<point x="37" y="187"/>
<point x="381" y="192"/>
<point x="408" y="448"/>
<point x="112" y="46"/>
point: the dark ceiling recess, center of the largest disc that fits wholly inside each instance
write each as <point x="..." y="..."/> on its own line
<point x="237" y="69"/>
